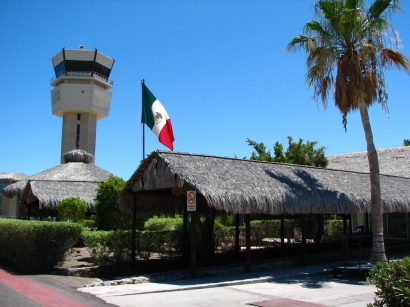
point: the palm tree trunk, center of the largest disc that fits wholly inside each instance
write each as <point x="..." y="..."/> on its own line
<point x="378" y="252"/>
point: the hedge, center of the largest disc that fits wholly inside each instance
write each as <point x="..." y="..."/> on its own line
<point x="113" y="246"/>
<point x="34" y="246"/>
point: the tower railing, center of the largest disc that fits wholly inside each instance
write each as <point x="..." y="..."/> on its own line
<point x="82" y="74"/>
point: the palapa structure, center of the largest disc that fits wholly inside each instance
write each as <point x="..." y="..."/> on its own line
<point x="237" y="186"/>
<point x="77" y="177"/>
<point x="7" y="207"/>
<point x="392" y="161"/>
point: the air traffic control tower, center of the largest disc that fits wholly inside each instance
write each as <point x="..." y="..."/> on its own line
<point x="81" y="95"/>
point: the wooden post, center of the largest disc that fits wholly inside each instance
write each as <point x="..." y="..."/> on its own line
<point x="133" y="232"/>
<point x="344" y="225"/>
<point x="193" y="245"/>
<point x="185" y="230"/>
<point x="345" y="236"/>
<point x="237" y="232"/>
<point x="248" y="242"/>
<point x="304" y="241"/>
<point x="282" y="232"/>
<point x="367" y="228"/>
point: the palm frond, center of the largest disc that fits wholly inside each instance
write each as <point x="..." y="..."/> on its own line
<point x="394" y="59"/>
<point x="378" y="8"/>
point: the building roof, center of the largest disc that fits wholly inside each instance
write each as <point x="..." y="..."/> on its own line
<point x="78" y="177"/>
<point x="12" y="177"/>
<point x="245" y="186"/>
<point x="392" y="161"/>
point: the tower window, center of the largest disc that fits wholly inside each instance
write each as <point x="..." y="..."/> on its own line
<point x="79" y="116"/>
<point x="77" y="139"/>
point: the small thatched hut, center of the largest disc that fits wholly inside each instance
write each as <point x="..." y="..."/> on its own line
<point x="77" y="177"/>
<point x="247" y="187"/>
<point x="8" y="208"/>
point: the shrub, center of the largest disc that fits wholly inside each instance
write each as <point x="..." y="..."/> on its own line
<point x="72" y="209"/>
<point x="392" y="281"/>
<point x="88" y="223"/>
<point x="107" y="246"/>
<point x="115" y="245"/>
<point x="107" y="213"/>
<point x="34" y="246"/>
<point x="333" y="228"/>
<point x="163" y="223"/>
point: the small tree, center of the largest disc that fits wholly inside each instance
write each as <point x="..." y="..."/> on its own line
<point x="107" y="213"/>
<point x="72" y="209"/>
<point x="297" y="153"/>
<point x="406" y="142"/>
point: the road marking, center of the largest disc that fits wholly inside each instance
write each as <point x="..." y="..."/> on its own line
<point x="43" y="295"/>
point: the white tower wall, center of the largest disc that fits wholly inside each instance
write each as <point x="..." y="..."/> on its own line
<point x="81" y="96"/>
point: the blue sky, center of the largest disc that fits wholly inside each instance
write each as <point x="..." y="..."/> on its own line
<point x="219" y="68"/>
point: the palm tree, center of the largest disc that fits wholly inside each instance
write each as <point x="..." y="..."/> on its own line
<point x="348" y="48"/>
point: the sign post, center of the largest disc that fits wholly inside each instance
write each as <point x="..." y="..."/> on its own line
<point x="191" y="207"/>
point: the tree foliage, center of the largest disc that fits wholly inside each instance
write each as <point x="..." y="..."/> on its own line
<point x="348" y="47"/>
<point x="297" y="153"/>
<point x="406" y="142"/>
<point x="72" y="209"/>
<point x="107" y="213"/>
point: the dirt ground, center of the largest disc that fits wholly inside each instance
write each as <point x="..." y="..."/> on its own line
<point x="77" y="258"/>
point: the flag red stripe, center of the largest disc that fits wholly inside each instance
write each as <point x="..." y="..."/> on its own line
<point x="166" y="136"/>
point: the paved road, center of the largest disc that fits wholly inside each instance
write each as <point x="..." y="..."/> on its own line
<point x="307" y="287"/>
<point x="45" y="290"/>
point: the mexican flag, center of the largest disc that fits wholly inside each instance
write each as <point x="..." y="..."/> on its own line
<point x="156" y="118"/>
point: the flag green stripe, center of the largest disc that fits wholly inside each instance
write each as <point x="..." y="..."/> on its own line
<point x="147" y="100"/>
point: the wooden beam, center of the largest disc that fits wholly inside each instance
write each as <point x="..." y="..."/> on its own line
<point x="248" y="242"/>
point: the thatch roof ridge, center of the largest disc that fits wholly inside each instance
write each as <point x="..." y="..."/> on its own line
<point x="12" y="176"/>
<point x="78" y="155"/>
<point x="49" y="193"/>
<point x="15" y="189"/>
<point x="269" y="162"/>
<point x="392" y="161"/>
<point x="68" y="172"/>
<point x="379" y="151"/>
<point x="241" y="186"/>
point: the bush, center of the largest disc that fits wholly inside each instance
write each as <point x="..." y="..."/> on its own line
<point x="163" y="223"/>
<point x="107" y="213"/>
<point x="333" y="228"/>
<point x="113" y="246"/>
<point x="34" y="246"/>
<point x="88" y="223"/>
<point x="107" y="246"/>
<point x="72" y="209"/>
<point x="392" y="281"/>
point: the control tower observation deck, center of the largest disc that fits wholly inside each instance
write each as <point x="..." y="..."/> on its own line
<point x="81" y="96"/>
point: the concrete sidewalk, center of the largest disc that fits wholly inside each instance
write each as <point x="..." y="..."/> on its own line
<point x="141" y="285"/>
<point x="307" y="286"/>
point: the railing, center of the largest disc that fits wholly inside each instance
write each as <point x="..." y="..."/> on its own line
<point x="82" y="74"/>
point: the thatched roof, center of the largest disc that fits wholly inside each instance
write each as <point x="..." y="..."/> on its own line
<point x="244" y="186"/>
<point x="12" y="177"/>
<point x="392" y="161"/>
<point x="76" y="178"/>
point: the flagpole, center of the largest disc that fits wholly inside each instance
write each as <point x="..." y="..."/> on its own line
<point x="134" y="196"/>
<point x="143" y="125"/>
